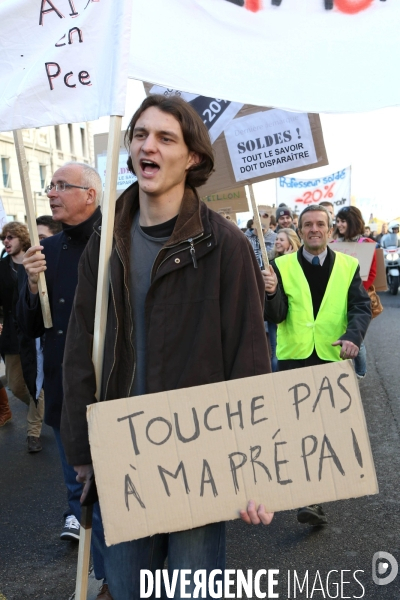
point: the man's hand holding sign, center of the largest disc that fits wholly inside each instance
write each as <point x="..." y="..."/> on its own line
<point x="254" y="516"/>
<point x="270" y="280"/>
<point x="34" y="263"/>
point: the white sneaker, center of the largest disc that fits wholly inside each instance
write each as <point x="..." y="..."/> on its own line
<point x="71" y="529"/>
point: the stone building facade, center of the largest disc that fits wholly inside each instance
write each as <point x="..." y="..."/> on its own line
<point x="47" y="148"/>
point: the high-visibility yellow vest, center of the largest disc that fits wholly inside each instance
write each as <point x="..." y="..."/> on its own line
<point x="300" y="332"/>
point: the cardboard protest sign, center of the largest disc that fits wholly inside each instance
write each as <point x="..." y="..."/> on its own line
<point x="255" y="143"/>
<point x="380" y="282"/>
<point x="292" y="54"/>
<point x="265" y="213"/>
<point x="57" y="66"/>
<point x="234" y="200"/>
<point x="364" y="253"/>
<point x="299" y="193"/>
<point x="269" y="141"/>
<point x="224" y="177"/>
<point x="181" y="459"/>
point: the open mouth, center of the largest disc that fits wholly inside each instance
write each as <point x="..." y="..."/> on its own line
<point x="149" y="167"/>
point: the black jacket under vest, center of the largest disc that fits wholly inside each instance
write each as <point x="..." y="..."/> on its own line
<point x="358" y="302"/>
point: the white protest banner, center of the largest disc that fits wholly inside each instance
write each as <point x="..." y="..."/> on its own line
<point x="125" y="177"/>
<point x="305" y="55"/>
<point x="268" y="142"/>
<point x="181" y="459"/>
<point x="62" y="61"/>
<point x="363" y="252"/>
<point x="299" y="193"/>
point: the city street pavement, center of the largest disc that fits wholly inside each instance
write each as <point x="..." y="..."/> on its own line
<point x="36" y="565"/>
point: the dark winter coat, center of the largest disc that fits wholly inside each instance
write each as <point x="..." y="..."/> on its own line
<point x="27" y="345"/>
<point x="204" y="323"/>
<point x="62" y="252"/>
<point x="8" y="285"/>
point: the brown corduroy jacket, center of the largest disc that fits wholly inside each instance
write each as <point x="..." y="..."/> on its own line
<point x="203" y="324"/>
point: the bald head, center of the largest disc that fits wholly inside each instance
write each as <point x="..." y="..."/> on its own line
<point x="77" y="202"/>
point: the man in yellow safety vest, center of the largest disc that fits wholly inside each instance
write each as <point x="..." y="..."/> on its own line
<point x="322" y="310"/>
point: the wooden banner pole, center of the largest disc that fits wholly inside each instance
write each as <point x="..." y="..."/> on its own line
<point x="107" y="228"/>
<point x="257" y="223"/>
<point x="103" y="285"/>
<point x="85" y="535"/>
<point x="31" y="217"/>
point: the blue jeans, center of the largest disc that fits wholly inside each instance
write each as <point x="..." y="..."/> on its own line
<point x="200" y="548"/>
<point x="74" y="491"/>
<point x="360" y="362"/>
<point x="272" y="330"/>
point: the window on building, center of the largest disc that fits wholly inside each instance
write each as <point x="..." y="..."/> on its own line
<point x="42" y="171"/>
<point x="5" y="167"/>
<point x="71" y="138"/>
<point x="83" y="140"/>
<point x="58" y="137"/>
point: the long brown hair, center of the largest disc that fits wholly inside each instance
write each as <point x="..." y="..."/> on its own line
<point x="355" y="222"/>
<point x="194" y="133"/>
<point x="18" y="230"/>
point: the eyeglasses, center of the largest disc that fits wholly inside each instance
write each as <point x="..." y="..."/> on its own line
<point x="62" y="186"/>
<point x="8" y="237"/>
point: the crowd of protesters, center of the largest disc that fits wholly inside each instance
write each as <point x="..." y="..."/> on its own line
<point x="175" y="254"/>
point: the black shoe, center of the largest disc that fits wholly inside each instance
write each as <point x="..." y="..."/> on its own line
<point x="34" y="444"/>
<point x="71" y="529"/>
<point x="313" y="515"/>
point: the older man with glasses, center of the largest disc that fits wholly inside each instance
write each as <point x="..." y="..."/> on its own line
<point x="74" y="193"/>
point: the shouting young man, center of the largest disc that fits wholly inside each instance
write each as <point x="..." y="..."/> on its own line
<point x="187" y="310"/>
